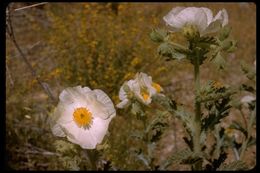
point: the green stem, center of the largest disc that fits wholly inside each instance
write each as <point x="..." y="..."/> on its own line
<point x="146" y="141"/>
<point x="91" y="156"/>
<point x="197" y="118"/>
<point x="178" y="45"/>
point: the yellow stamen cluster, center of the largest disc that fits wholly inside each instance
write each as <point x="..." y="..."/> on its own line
<point x="83" y="117"/>
<point x="229" y="132"/>
<point x="157" y="87"/>
<point x="217" y="85"/>
<point x="145" y="94"/>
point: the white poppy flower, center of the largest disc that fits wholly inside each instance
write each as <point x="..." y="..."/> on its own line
<point x="247" y="99"/>
<point x="83" y="116"/>
<point x="201" y="18"/>
<point x="142" y="88"/>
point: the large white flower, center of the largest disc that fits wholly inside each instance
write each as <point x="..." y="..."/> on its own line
<point x="83" y="116"/>
<point x="141" y="87"/>
<point x="201" y="18"/>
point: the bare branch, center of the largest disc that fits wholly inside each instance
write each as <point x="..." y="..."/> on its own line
<point x="12" y="36"/>
<point x="30" y="6"/>
<point x="9" y="76"/>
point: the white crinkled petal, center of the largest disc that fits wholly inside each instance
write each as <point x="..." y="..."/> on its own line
<point x="201" y="20"/>
<point x="86" y="139"/>
<point x="225" y="17"/>
<point x="213" y="27"/>
<point x="134" y="86"/>
<point x="71" y="130"/>
<point x="145" y="80"/>
<point x="187" y="15"/>
<point x="65" y="97"/>
<point x="72" y="94"/>
<point x="220" y="20"/>
<point x="176" y="10"/>
<point x="247" y="99"/>
<point x="123" y="103"/>
<point x="209" y="14"/>
<point x="122" y="93"/>
<point x="152" y="90"/>
<point x="57" y="131"/>
<point x="107" y="102"/>
<point x="98" y="109"/>
<point x="99" y="128"/>
<point x="85" y="90"/>
<point x="172" y="20"/>
<point x="89" y="138"/>
<point x="219" y="16"/>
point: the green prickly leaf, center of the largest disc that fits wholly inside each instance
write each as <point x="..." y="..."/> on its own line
<point x="158" y="35"/>
<point x="237" y="165"/>
<point x="207" y="40"/>
<point x="167" y="50"/>
<point x="224" y="33"/>
<point x="176" y="158"/>
<point x="219" y="61"/>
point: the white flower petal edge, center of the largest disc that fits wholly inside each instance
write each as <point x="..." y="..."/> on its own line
<point x="247" y="99"/>
<point x="106" y="104"/>
<point x="131" y="85"/>
<point x="201" y="17"/>
<point x="123" y="103"/>
<point x="57" y="131"/>
<point x="171" y="20"/>
<point x="99" y="111"/>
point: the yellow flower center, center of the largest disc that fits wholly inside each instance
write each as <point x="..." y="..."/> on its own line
<point x="157" y="87"/>
<point x="83" y="117"/>
<point x="145" y="94"/>
<point x="217" y="85"/>
<point x="229" y="132"/>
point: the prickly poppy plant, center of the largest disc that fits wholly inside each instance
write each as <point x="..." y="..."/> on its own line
<point x="115" y="115"/>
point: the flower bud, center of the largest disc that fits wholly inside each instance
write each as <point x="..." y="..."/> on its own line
<point x="158" y="35"/>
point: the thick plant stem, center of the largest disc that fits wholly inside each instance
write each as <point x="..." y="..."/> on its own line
<point x="91" y="156"/>
<point x="197" y="118"/>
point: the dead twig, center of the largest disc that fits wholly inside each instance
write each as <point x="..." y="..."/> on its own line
<point x="10" y="76"/>
<point x="30" y="6"/>
<point x="33" y="72"/>
<point x="37" y="150"/>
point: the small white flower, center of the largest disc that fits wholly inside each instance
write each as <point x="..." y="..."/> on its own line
<point x="247" y="99"/>
<point x="201" y="18"/>
<point x="83" y="116"/>
<point x="142" y="88"/>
